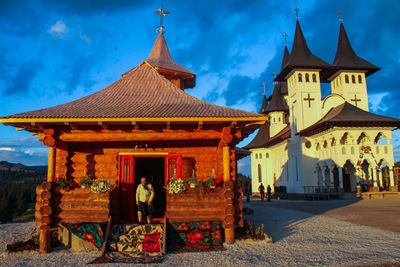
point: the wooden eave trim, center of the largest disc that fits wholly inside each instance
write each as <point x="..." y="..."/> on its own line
<point x="139" y="119"/>
<point x="143" y="153"/>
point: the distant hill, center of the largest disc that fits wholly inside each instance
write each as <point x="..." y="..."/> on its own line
<point x="8" y="166"/>
<point x="17" y="190"/>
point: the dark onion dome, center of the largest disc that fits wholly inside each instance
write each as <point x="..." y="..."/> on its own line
<point x="277" y="103"/>
<point x="348" y="115"/>
<point x="301" y="56"/>
<point x="347" y="59"/>
<point x="286" y="56"/>
<point x="264" y="105"/>
<point x="283" y="89"/>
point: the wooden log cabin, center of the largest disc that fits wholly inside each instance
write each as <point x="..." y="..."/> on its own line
<point x="144" y="124"/>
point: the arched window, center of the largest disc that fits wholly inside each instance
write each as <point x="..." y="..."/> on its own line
<point x="260" y="156"/>
<point x="256" y="156"/>
<point x="307" y="78"/>
<point x="359" y="79"/>
<point x="353" y="79"/>
<point x="346" y="78"/>
<point x="300" y="78"/>
<point x="259" y="173"/>
<point x="314" y="78"/>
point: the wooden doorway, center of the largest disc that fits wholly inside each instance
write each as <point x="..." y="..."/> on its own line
<point x="153" y="168"/>
<point x="157" y="169"/>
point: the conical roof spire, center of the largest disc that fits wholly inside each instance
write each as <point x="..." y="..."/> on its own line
<point x="161" y="59"/>
<point x="300" y="56"/>
<point x="347" y="59"/>
<point x="286" y="56"/>
<point x="277" y="103"/>
<point x="264" y="105"/>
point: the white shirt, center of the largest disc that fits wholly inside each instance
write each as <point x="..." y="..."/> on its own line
<point x="144" y="195"/>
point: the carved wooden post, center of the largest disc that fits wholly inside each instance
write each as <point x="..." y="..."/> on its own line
<point x="42" y="214"/>
<point x="51" y="164"/>
<point x="45" y="210"/>
<point x="229" y="221"/>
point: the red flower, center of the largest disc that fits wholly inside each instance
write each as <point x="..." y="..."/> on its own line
<point x="214" y="184"/>
<point x="88" y="237"/>
<point x="195" y="237"/>
<point x="151" y="247"/>
<point x="152" y="237"/>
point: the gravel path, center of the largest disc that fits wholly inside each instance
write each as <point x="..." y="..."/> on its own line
<point x="300" y="239"/>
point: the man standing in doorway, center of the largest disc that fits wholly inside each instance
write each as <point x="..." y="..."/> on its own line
<point x="144" y="197"/>
<point x="261" y="189"/>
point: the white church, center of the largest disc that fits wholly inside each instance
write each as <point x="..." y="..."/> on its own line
<point x="332" y="144"/>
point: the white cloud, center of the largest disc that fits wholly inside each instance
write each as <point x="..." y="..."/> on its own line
<point x="85" y="38"/>
<point x="375" y="102"/>
<point x="7" y="149"/>
<point x="58" y="29"/>
<point x="29" y="152"/>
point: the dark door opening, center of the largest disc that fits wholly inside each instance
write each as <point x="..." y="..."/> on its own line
<point x="153" y="168"/>
<point x="346" y="181"/>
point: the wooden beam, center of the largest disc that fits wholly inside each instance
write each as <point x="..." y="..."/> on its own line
<point x="124" y="137"/>
<point x="103" y="125"/>
<point x="168" y="125"/>
<point x="51" y="164"/>
<point x="200" y="126"/>
<point x="135" y="125"/>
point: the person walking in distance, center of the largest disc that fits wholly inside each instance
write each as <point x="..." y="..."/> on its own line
<point x="261" y="189"/>
<point x="269" y="193"/>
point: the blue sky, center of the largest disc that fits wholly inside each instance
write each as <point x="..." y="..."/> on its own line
<point x="52" y="52"/>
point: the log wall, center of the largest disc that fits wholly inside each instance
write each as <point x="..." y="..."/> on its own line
<point x="100" y="160"/>
<point x="191" y="206"/>
<point x="80" y="205"/>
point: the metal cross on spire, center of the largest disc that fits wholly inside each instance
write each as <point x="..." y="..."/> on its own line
<point x="285" y="36"/>
<point x="263" y="85"/>
<point x="297" y="12"/>
<point x="340" y="12"/>
<point x="274" y="74"/>
<point x="162" y="13"/>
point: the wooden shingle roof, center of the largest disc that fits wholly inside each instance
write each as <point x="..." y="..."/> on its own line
<point x="141" y="93"/>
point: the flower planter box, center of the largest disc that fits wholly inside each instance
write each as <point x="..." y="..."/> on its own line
<point x="81" y="205"/>
<point x="194" y="206"/>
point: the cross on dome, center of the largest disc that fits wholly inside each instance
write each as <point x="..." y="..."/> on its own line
<point x="285" y="36"/>
<point x="162" y="13"/>
<point x="340" y="12"/>
<point x="296" y="9"/>
<point x="263" y="85"/>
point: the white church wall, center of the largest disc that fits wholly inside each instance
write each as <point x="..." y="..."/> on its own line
<point x="304" y="91"/>
<point x="331" y="101"/>
<point x="352" y="86"/>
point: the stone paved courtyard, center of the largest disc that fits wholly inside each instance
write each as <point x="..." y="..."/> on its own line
<point x="322" y="236"/>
